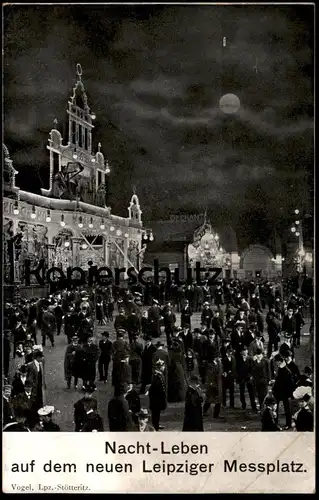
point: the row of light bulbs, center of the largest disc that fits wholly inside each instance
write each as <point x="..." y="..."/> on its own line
<point x="62" y="221"/>
<point x="93" y="160"/>
<point x="118" y="232"/>
<point x="294" y="229"/>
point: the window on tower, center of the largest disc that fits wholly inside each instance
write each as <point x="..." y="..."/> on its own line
<point x="73" y="133"/>
<point x="80" y="136"/>
<point x="79" y="101"/>
<point x="56" y="163"/>
<point x="99" y="178"/>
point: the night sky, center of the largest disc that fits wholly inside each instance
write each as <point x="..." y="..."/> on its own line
<point x="154" y="76"/>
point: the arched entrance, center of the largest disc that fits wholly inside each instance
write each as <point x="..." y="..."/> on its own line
<point x="257" y="261"/>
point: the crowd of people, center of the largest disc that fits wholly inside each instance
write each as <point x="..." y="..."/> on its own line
<point x="248" y="338"/>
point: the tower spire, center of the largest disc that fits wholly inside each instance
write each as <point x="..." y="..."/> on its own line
<point x="79" y="71"/>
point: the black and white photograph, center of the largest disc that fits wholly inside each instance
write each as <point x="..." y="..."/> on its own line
<point x="158" y="218"/>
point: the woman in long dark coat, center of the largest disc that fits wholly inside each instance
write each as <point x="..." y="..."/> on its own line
<point x="193" y="416"/>
<point x="214" y="390"/>
<point x="136" y="351"/>
<point x="176" y="374"/>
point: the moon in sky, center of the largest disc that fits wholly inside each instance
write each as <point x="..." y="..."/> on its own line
<point x="229" y="104"/>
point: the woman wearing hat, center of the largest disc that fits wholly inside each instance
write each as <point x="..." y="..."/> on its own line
<point x="143" y="418"/>
<point x="268" y="416"/>
<point x="176" y="373"/>
<point x="46" y="423"/>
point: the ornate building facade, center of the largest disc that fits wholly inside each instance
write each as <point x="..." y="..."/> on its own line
<point x="183" y="243"/>
<point x="69" y="224"/>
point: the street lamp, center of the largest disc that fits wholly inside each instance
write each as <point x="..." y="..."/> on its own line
<point x="148" y="234"/>
<point x="102" y="225"/>
<point x="33" y="213"/>
<point x="48" y="217"/>
<point x="16" y="208"/>
<point x="293" y="229"/>
<point x="297" y="211"/>
<point x="62" y="223"/>
<point x="80" y="224"/>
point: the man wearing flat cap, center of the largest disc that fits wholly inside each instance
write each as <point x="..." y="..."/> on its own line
<point x="46" y="422"/>
<point x="158" y="393"/>
<point x="193" y="414"/>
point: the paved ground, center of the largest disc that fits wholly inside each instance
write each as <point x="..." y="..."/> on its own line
<point x="63" y="398"/>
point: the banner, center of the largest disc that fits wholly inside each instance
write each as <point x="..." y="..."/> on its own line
<point x="159" y="463"/>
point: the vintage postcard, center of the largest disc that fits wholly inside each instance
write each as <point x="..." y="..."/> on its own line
<point x="158" y="248"/>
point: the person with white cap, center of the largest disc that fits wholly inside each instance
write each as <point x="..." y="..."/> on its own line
<point x="46" y="423"/>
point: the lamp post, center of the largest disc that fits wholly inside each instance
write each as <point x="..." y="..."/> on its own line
<point x="297" y="230"/>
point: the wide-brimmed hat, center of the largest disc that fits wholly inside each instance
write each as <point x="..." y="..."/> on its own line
<point x="45" y="411"/>
<point x="159" y="362"/>
<point x="269" y="401"/>
<point x="143" y="413"/>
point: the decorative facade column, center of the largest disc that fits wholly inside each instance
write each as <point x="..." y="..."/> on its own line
<point x="125" y="250"/>
<point x="51" y="255"/>
<point x="107" y="246"/>
<point x="76" y="242"/>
